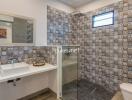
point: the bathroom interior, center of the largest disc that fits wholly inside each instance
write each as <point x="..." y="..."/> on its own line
<point x="65" y="50"/>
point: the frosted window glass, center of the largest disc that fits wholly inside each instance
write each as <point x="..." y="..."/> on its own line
<point x="104" y="19"/>
<point x="103" y="22"/>
<point x="103" y="16"/>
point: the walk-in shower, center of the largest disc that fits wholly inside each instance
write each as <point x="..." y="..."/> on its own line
<point x="105" y="51"/>
<point x="70" y="85"/>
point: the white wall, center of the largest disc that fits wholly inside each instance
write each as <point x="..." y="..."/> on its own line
<point x="27" y="8"/>
<point x="36" y="9"/>
<point x="96" y="4"/>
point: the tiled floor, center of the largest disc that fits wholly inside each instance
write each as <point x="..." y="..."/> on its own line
<point x="86" y="91"/>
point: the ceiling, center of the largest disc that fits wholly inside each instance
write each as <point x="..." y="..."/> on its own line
<point x="75" y="3"/>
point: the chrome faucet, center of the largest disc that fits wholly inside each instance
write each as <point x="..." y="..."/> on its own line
<point x="12" y="60"/>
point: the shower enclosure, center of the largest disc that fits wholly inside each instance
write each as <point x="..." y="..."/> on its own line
<point x="71" y="86"/>
<point x="68" y="72"/>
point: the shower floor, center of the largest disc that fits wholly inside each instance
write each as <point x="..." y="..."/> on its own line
<point x="86" y="91"/>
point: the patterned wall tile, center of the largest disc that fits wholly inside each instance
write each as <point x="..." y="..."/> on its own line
<point x="28" y="54"/>
<point x="103" y="50"/>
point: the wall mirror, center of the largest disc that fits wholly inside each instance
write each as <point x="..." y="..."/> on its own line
<point x="16" y="30"/>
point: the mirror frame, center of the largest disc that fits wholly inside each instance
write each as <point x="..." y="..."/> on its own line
<point x="23" y="17"/>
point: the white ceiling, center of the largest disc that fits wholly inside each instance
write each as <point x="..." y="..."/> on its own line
<point x="75" y="3"/>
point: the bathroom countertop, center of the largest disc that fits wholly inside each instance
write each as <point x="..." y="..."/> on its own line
<point x="32" y="70"/>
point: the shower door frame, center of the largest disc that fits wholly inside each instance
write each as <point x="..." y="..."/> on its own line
<point x="59" y="71"/>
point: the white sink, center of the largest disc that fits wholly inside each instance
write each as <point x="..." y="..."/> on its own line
<point x="11" y="69"/>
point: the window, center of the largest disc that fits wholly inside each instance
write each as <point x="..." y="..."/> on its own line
<point x="103" y="19"/>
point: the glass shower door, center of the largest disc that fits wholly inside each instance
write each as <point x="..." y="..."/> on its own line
<point x="69" y="72"/>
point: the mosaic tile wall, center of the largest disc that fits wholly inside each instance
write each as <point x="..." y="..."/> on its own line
<point x="103" y="51"/>
<point x="129" y="15"/>
<point x="28" y="54"/>
<point x="60" y="27"/>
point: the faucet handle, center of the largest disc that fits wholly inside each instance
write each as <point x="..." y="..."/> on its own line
<point x="12" y="60"/>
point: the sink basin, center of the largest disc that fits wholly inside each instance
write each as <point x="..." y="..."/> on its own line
<point x="11" y="69"/>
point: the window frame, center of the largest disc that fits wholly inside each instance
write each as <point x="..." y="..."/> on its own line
<point x="113" y="17"/>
